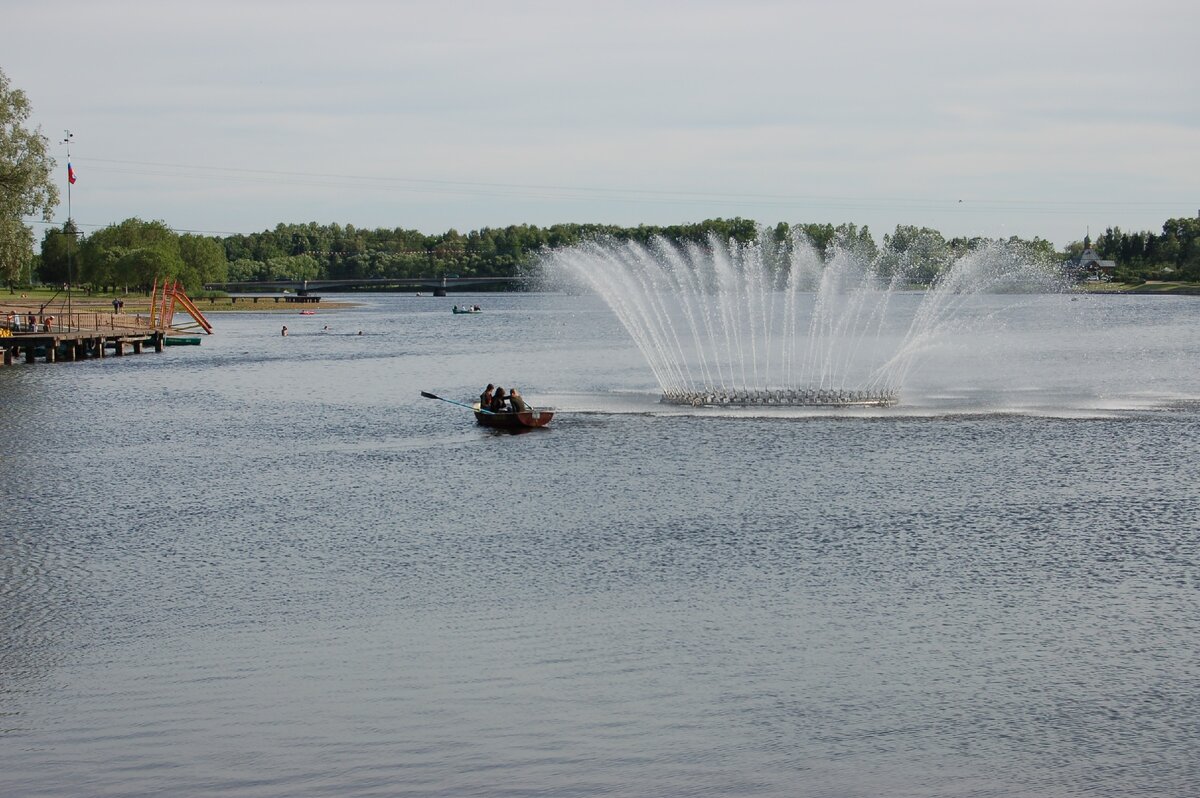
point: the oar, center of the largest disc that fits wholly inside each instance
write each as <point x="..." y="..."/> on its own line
<point x="428" y="395"/>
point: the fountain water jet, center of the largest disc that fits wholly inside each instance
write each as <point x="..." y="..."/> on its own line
<point x="771" y="323"/>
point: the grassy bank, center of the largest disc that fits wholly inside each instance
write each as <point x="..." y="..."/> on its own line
<point x="32" y="299"/>
<point x="1148" y="287"/>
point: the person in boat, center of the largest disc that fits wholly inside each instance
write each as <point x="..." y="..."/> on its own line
<point x="517" y="401"/>
<point x="498" y="404"/>
<point x="284" y="331"/>
<point x="485" y="398"/>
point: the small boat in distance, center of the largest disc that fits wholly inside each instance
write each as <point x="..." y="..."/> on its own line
<point x="526" y="419"/>
<point x="467" y="309"/>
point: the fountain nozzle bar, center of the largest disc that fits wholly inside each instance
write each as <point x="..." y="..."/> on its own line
<point x="782" y="397"/>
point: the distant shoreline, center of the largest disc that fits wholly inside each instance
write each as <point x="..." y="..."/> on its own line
<point x="32" y="302"/>
<point x="1152" y="287"/>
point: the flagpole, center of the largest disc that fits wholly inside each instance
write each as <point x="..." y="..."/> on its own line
<point x="70" y="231"/>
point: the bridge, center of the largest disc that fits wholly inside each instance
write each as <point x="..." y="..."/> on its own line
<point x="438" y="286"/>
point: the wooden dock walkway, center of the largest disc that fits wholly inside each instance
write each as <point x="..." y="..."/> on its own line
<point x="96" y="337"/>
<point x="28" y="330"/>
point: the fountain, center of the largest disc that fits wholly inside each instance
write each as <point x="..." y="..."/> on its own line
<point x="773" y="323"/>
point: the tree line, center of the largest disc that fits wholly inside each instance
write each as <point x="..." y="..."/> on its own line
<point x="1173" y="255"/>
<point x="133" y="253"/>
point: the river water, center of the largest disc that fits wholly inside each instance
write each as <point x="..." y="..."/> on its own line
<point x="267" y="567"/>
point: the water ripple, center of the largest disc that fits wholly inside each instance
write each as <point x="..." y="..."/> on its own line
<point x="297" y="577"/>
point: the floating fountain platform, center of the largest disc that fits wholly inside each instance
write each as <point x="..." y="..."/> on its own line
<point x="783" y="397"/>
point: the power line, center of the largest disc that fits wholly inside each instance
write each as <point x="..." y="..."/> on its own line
<point x="583" y="193"/>
<point x="93" y="225"/>
<point x="561" y="193"/>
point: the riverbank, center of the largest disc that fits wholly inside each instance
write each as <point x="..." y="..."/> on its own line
<point x="1148" y="287"/>
<point x="32" y="300"/>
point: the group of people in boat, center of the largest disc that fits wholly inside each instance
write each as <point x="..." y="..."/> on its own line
<point x="495" y="399"/>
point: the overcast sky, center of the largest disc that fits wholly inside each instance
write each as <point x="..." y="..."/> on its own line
<point x="975" y="118"/>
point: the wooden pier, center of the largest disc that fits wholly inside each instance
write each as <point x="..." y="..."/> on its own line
<point x="80" y="337"/>
<point x="74" y="336"/>
<point x="75" y="345"/>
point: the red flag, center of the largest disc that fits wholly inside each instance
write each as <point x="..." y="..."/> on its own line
<point x="70" y="174"/>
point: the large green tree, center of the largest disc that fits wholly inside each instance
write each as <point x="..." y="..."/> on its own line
<point x="60" y="254"/>
<point x="203" y="261"/>
<point x="26" y="187"/>
<point x="132" y="254"/>
<point x="16" y="249"/>
<point x="919" y="254"/>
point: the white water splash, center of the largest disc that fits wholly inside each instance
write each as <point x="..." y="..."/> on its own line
<point x="768" y="323"/>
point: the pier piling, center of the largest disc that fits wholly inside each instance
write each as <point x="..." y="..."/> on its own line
<point x="76" y="345"/>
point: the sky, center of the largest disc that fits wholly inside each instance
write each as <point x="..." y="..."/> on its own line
<point x="994" y="119"/>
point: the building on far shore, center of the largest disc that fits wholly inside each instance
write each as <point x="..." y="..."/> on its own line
<point x="1089" y="266"/>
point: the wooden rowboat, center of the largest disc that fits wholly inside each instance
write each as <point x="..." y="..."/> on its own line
<point x="527" y="419"/>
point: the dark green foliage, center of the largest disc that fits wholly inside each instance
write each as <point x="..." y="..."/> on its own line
<point x="1174" y="255"/>
<point x="349" y="253"/>
<point x="134" y="253"/>
<point x="26" y="185"/>
<point x="60" y="254"/>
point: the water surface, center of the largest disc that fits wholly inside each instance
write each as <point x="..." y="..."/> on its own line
<point x="267" y="567"/>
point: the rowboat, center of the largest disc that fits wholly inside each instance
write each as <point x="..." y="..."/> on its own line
<point x="515" y="421"/>
<point x="177" y="340"/>
<point x="457" y="310"/>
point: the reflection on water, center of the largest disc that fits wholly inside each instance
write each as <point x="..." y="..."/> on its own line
<point x="268" y="567"/>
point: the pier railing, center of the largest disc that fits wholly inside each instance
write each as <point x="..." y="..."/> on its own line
<point x="124" y="323"/>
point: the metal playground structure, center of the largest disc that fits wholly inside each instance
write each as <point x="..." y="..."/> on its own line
<point x="163" y="306"/>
